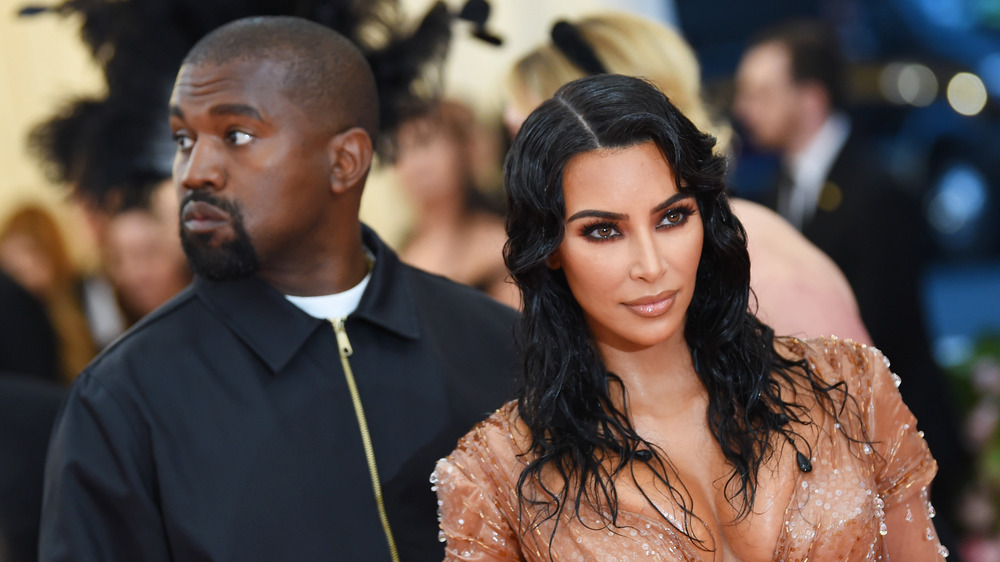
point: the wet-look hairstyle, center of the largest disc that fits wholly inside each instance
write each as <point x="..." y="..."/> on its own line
<point x="580" y="440"/>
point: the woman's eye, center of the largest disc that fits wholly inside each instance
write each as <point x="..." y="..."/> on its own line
<point x="674" y="217"/>
<point x="239" y="138"/>
<point x="603" y="232"/>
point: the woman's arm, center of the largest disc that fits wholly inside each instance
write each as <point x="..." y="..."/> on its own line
<point x="470" y="518"/>
<point x="911" y="534"/>
<point x="904" y="470"/>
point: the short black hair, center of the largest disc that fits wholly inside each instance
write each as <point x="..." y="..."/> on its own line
<point x="815" y="54"/>
<point x="326" y="73"/>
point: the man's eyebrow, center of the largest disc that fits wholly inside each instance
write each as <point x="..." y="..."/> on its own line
<point x="222" y="110"/>
<point x="670" y="201"/>
<point x="236" y="109"/>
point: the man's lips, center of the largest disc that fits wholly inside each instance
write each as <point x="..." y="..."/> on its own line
<point x="201" y="217"/>
<point x="653" y="305"/>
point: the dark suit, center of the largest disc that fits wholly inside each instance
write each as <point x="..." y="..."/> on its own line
<point x="875" y="231"/>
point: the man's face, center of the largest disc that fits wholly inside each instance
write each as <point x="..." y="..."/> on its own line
<point x="767" y="99"/>
<point x="251" y="169"/>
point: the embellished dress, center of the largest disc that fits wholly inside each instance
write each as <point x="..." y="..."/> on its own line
<point x="859" y="502"/>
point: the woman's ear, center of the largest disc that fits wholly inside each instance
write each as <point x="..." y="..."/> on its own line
<point x="553" y="260"/>
<point x="350" y="159"/>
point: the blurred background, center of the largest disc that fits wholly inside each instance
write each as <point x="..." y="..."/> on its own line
<point x="924" y="78"/>
<point x="924" y="81"/>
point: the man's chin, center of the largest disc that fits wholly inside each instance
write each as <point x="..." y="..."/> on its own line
<point x="227" y="263"/>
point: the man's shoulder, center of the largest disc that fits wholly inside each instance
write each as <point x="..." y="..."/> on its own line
<point x="156" y="334"/>
<point x="433" y="290"/>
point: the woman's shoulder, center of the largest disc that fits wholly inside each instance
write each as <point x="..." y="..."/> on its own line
<point x="485" y="466"/>
<point x="500" y="427"/>
<point x="832" y="358"/>
<point x="495" y="445"/>
<point x="859" y="370"/>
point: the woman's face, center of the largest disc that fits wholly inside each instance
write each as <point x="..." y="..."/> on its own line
<point x="24" y="259"/>
<point x="428" y="162"/>
<point x="632" y="246"/>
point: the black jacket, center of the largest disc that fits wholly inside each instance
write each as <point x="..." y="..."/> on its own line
<point x="221" y="427"/>
<point x="27" y="409"/>
<point x="27" y="339"/>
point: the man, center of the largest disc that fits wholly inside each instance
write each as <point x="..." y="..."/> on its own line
<point x="790" y="97"/>
<point x="290" y="404"/>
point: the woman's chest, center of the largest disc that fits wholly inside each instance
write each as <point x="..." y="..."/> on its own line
<point x="834" y="508"/>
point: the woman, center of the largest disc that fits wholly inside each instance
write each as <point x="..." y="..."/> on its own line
<point x="619" y="43"/>
<point x="456" y="233"/>
<point x="33" y="252"/>
<point x="798" y="289"/>
<point x="659" y="417"/>
<point x="142" y="253"/>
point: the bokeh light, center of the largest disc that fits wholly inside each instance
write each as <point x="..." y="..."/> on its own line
<point x="966" y="93"/>
<point x="910" y="83"/>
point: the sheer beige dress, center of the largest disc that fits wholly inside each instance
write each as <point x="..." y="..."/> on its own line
<point x="858" y="503"/>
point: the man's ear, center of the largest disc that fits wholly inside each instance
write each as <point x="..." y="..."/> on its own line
<point x="350" y="158"/>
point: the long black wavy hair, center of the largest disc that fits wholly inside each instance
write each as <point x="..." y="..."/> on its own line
<point x="577" y="432"/>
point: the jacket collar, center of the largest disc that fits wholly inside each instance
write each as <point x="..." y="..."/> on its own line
<point x="389" y="299"/>
<point x="276" y="329"/>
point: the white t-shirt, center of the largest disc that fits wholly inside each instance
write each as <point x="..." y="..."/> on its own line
<point x="337" y="305"/>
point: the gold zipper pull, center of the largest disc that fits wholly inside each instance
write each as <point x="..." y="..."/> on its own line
<point x="342" y="341"/>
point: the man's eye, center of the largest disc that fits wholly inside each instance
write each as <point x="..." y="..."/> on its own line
<point x="239" y="138"/>
<point x="184" y="142"/>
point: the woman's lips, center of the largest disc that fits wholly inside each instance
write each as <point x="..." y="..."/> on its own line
<point x="200" y="217"/>
<point x="652" y="306"/>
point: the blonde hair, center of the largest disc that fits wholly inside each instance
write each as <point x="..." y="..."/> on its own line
<point x="625" y="44"/>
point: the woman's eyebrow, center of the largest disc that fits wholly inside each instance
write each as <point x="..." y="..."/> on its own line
<point x="670" y="201"/>
<point x="598" y="214"/>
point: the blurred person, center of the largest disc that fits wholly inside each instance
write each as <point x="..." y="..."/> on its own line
<point x="290" y="403"/>
<point x="457" y="232"/>
<point x="143" y="257"/>
<point x="28" y="342"/>
<point x="798" y="290"/>
<point x="33" y="251"/>
<point x="791" y="98"/>
<point x="659" y="417"/>
<point x="27" y="411"/>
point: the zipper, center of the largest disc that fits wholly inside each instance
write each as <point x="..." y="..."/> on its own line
<point x="344" y="346"/>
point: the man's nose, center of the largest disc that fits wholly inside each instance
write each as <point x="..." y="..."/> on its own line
<point x="201" y="168"/>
